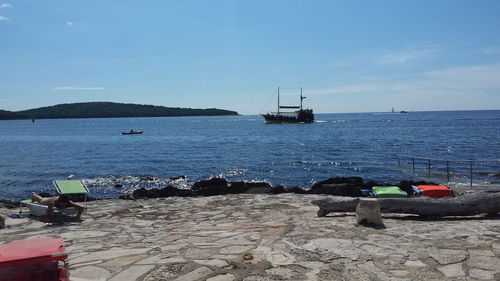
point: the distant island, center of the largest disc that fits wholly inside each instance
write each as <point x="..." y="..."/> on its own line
<point x="108" y="110"/>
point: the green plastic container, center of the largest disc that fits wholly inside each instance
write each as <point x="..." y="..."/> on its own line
<point x="388" y="192"/>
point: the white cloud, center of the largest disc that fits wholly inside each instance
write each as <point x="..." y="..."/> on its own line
<point x="70" y="88"/>
<point x="466" y="87"/>
<point x="69" y="23"/>
<point x="4" y="18"/>
<point x="5" y="5"/>
<point x="468" y="77"/>
<point x="404" y="56"/>
<point x="491" y="51"/>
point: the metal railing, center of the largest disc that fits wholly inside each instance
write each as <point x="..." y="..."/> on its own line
<point x="430" y="161"/>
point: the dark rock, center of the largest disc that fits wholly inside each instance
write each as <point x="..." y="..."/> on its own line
<point x="170" y="191"/>
<point x="349" y="180"/>
<point x="142" y="193"/>
<point x="9" y="204"/>
<point x="213" y="186"/>
<point x="339" y="186"/>
<point x="177" y="178"/>
<point x="118" y="185"/>
<point x="496" y="175"/>
<point x="126" y="197"/>
<point x="295" y="189"/>
<point x="277" y="189"/>
<point x="2" y="222"/>
<point x="239" y="187"/>
<point x="371" y="184"/>
<point x="250" y="187"/>
<point x="167" y="191"/>
<point x="258" y="187"/>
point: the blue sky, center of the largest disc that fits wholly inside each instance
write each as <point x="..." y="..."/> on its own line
<point x="349" y="56"/>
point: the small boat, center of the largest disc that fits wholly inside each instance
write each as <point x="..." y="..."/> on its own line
<point x="132" y="132"/>
<point x="298" y="116"/>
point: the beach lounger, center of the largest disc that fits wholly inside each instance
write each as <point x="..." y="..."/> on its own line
<point x="38" y="210"/>
<point x="69" y="187"/>
<point x="435" y="190"/>
<point x="42" y="258"/>
<point x="388" y="192"/>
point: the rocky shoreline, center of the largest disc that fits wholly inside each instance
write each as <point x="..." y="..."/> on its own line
<point x="338" y="186"/>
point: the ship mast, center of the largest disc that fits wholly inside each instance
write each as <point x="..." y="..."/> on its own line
<point x="301" y="98"/>
<point x="278" y="100"/>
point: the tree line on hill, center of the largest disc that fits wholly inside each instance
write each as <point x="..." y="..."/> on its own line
<point x="109" y="110"/>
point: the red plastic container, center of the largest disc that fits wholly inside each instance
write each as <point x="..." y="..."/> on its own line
<point x="435" y="190"/>
<point x="34" y="259"/>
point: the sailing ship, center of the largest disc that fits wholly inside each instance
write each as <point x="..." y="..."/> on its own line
<point x="297" y="116"/>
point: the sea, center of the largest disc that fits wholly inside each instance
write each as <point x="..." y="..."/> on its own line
<point x="383" y="147"/>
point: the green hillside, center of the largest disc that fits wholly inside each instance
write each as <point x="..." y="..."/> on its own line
<point x="9" y="115"/>
<point x="109" y="110"/>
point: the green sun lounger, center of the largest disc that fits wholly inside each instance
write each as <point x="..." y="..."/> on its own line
<point x="388" y="192"/>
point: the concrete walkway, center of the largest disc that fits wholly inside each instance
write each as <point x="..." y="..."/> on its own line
<point x="264" y="237"/>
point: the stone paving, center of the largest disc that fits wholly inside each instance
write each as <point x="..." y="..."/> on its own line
<point x="264" y="237"/>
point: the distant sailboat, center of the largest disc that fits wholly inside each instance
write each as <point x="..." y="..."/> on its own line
<point x="402" y="111"/>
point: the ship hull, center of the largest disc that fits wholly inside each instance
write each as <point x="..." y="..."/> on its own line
<point x="303" y="116"/>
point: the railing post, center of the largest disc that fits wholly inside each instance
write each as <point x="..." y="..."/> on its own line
<point x="429" y="166"/>
<point x="448" y="170"/>
<point x="470" y="173"/>
<point x="413" y="163"/>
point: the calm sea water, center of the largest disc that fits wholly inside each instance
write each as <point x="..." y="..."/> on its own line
<point x="243" y="148"/>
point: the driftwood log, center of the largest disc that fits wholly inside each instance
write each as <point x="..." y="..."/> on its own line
<point x="464" y="205"/>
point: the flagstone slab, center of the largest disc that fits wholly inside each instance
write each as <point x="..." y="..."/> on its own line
<point x="415" y="263"/>
<point x="448" y="256"/>
<point x="452" y="270"/>
<point x="213" y="262"/>
<point x="488" y="253"/>
<point x="235" y="249"/>
<point x="109" y="254"/>
<point x="481" y="274"/>
<point x="200" y="272"/>
<point x="132" y="273"/>
<point x="83" y="234"/>
<point x="88" y="273"/>
<point x="484" y="262"/>
<point x="222" y="277"/>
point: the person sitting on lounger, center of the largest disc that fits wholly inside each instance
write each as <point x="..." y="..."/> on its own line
<point x="61" y="202"/>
